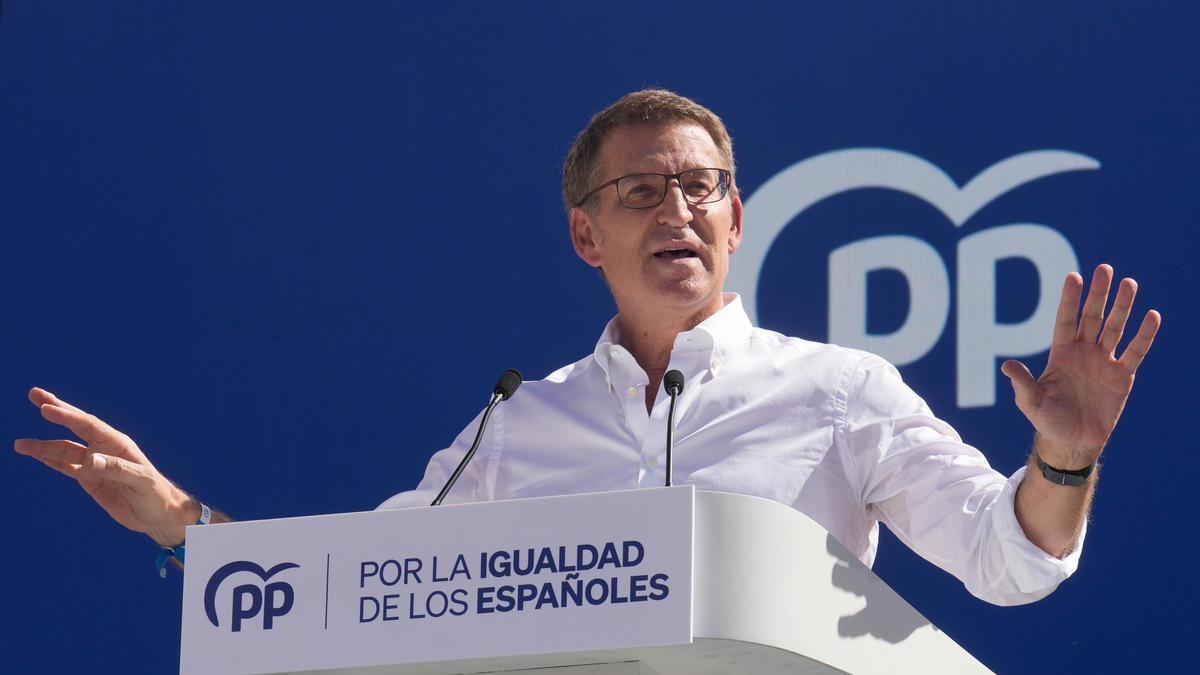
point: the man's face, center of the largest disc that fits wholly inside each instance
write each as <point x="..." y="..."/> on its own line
<point x="670" y="258"/>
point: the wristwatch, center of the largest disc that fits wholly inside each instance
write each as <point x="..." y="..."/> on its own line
<point x="1063" y="476"/>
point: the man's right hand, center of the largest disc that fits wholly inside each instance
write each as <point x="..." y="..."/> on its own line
<point x="113" y="470"/>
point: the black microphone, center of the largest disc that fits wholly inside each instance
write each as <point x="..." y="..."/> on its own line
<point x="673" y="383"/>
<point x="506" y="386"/>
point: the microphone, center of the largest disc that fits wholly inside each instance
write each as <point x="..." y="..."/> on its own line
<point x="505" y="387"/>
<point x="673" y="383"/>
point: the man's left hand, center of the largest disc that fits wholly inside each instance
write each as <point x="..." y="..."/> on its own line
<point x="1077" y="401"/>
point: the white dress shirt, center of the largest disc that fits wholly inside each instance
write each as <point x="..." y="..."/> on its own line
<point x="832" y="432"/>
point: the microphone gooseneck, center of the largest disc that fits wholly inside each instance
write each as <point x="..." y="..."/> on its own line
<point x="673" y="384"/>
<point x="505" y="388"/>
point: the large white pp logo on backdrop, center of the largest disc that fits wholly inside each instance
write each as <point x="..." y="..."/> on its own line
<point x="980" y="338"/>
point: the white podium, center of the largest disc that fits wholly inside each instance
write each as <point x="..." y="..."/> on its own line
<point x="655" y="581"/>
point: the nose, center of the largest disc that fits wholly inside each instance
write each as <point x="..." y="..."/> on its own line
<point x="675" y="209"/>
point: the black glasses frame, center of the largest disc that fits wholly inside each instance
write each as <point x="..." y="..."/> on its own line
<point x="723" y="175"/>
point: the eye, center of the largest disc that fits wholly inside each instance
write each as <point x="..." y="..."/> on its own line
<point x="640" y="190"/>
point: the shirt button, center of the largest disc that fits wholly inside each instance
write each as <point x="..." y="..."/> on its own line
<point x="653" y="461"/>
<point x="632" y="391"/>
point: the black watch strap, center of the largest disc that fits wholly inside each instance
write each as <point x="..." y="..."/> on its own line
<point x="1063" y="476"/>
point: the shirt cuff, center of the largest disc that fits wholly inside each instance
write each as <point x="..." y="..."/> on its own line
<point x="1033" y="570"/>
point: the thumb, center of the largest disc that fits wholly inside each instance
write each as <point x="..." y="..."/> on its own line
<point x="107" y="467"/>
<point x="1022" y="380"/>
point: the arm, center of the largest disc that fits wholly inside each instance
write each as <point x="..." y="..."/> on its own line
<point x="114" y="472"/>
<point x="1075" y="404"/>
<point x="937" y="494"/>
<point x="1052" y="515"/>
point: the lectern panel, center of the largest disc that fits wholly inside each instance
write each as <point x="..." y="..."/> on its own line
<point x="521" y="577"/>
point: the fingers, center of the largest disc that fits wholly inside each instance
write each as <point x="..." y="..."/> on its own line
<point x="98" y="468"/>
<point x="1068" y="310"/>
<point x="1092" y="319"/>
<point x="1093" y="307"/>
<point x="58" y="451"/>
<point x="62" y="456"/>
<point x="1114" y="326"/>
<point x="41" y="397"/>
<point x="1139" y="346"/>
<point x="75" y="460"/>
<point x="88" y="427"/>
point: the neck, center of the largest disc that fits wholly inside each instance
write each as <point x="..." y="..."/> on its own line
<point x="649" y="335"/>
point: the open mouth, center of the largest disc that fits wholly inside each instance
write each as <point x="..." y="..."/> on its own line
<point x="675" y="254"/>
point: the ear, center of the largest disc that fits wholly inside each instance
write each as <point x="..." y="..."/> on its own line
<point x="585" y="236"/>
<point x="735" y="229"/>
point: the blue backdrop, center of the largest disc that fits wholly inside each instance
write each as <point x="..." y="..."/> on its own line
<point x="288" y="246"/>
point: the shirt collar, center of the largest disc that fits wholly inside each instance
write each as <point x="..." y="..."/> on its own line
<point x="717" y="337"/>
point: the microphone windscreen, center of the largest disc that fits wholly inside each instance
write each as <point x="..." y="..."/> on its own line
<point x="508" y="383"/>
<point x="673" y="380"/>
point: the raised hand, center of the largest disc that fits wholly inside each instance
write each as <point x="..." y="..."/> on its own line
<point x="1076" y="402"/>
<point x="113" y="471"/>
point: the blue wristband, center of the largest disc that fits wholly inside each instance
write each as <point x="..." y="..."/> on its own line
<point x="165" y="553"/>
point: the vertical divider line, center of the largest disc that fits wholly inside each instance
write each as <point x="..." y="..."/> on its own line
<point x="327" y="591"/>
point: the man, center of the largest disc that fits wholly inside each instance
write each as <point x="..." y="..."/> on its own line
<point x="652" y="202"/>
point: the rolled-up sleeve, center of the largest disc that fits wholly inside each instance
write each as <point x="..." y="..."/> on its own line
<point x="939" y="495"/>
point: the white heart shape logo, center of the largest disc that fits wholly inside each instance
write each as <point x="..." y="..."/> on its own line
<point x="788" y="193"/>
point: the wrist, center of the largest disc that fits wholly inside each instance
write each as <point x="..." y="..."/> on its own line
<point x="1064" y="457"/>
<point x="182" y="510"/>
<point x="176" y="553"/>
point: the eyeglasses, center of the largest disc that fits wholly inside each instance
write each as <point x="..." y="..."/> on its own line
<point x="647" y="190"/>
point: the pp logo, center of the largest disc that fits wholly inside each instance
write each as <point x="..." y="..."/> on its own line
<point x="980" y="337"/>
<point x="273" y="600"/>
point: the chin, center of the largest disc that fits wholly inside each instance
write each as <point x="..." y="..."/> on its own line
<point x="686" y="293"/>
